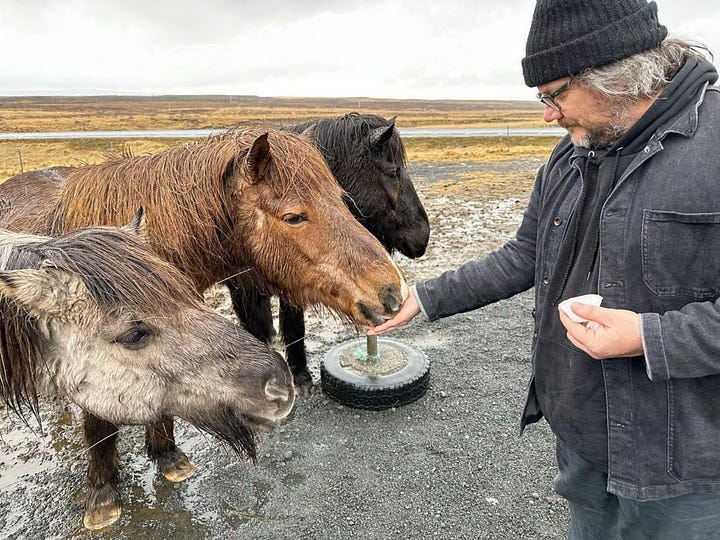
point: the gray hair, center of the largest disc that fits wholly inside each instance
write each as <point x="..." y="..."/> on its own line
<point x="642" y="74"/>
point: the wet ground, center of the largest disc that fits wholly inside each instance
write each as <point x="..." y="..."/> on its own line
<point x="451" y="465"/>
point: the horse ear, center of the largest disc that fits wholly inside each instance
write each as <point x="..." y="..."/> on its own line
<point x="381" y="135"/>
<point x="309" y="132"/>
<point x="258" y="157"/>
<point x="45" y="293"/>
<point x="138" y="225"/>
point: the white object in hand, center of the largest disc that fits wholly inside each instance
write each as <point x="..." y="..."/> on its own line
<point x="592" y="299"/>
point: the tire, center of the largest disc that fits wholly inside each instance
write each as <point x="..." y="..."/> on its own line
<point x="375" y="392"/>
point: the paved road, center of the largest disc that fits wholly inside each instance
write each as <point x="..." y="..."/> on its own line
<point x="199" y="133"/>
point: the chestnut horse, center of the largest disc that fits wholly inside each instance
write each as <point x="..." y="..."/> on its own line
<point x="99" y="318"/>
<point x="257" y="203"/>
<point x="367" y="157"/>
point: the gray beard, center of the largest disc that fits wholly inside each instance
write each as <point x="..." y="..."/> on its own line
<point x="618" y="124"/>
<point x="602" y="138"/>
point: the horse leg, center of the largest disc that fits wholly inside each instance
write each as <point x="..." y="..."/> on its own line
<point x="292" y="328"/>
<point x="102" y="504"/>
<point x="160" y="445"/>
<point x="252" y="309"/>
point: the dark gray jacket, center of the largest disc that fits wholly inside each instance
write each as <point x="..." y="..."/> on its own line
<point x="659" y="256"/>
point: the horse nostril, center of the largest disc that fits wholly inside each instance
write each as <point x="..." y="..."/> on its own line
<point x="390" y="298"/>
<point x="276" y="391"/>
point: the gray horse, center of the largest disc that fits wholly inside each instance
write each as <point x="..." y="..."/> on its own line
<point x="99" y="318"/>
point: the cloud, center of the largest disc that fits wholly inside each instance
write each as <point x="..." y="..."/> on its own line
<point x="458" y="49"/>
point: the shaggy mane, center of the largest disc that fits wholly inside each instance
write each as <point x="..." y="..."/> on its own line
<point x="184" y="191"/>
<point x="340" y="136"/>
<point x="118" y="270"/>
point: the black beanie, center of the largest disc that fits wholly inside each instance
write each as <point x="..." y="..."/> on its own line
<point x="569" y="36"/>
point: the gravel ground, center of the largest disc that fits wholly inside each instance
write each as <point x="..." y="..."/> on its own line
<point x="451" y="465"/>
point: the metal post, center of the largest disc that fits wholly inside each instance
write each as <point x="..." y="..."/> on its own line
<point x="372" y="347"/>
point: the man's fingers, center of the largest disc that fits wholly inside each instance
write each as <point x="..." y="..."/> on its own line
<point x="382" y="328"/>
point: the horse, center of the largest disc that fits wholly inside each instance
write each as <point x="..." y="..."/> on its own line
<point x="367" y="157"/>
<point x="97" y="317"/>
<point x="256" y="203"/>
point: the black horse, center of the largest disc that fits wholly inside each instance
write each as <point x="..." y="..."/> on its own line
<point x="367" y="157"/>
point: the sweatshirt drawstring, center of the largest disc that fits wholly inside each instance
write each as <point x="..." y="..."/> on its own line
<point x="576" y="233"/>
<point x="596" y="247"/>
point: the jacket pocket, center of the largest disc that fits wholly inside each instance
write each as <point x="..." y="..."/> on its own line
<point x="681" y="253"/>
<point x="693" y="430"/>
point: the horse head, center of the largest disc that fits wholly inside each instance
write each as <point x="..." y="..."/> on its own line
<point x="367" y="157"/>
<point x="96" y="316"/>
<point x="300" y="237"/>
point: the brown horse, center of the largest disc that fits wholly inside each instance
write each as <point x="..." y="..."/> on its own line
<point x="367" y="157"/>
<point x="99" y="318"/>
<point x="249" y="200"/>
<point x="243" y="200"/>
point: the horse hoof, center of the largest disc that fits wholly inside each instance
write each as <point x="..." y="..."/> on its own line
<point x="303" y="383"/>
<point x="305" y="389"/>
<point x="180" y="470"/>
<point x="101" y="516"/>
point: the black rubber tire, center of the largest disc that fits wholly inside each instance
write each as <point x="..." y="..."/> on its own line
<point x="375" y="392"/>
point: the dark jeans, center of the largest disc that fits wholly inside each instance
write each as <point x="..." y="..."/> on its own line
<point x="596" y="514"/>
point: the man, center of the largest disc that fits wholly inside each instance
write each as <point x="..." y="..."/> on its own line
<point x="628" y="207"/>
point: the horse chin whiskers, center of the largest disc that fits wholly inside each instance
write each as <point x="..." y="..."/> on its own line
<point x="370" y="314"/>
<point x="230" y="426"/>
<point x="258" y="424"/>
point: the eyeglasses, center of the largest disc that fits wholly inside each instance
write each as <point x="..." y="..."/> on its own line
<point x="549" y="99"/>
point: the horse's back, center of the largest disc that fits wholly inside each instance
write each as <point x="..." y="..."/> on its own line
<point x="26" y="200"/>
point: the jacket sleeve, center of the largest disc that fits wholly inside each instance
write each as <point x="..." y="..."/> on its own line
<point x="683" y="343"/>
<point x="501" y="274"/>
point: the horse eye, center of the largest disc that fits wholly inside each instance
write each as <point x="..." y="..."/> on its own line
<point x="134" y="339"/>
<point x="294" y="219"/>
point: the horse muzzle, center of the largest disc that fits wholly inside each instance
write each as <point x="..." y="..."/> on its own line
<point x="391" y="298"/>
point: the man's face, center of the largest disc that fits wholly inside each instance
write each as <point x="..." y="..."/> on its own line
<point x="591" y="119"/>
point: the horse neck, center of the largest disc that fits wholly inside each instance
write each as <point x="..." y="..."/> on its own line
<point x="189" y="226"/>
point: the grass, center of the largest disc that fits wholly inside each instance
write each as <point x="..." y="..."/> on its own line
<point x="213" y="112"/>
<point x="28" y="155"/>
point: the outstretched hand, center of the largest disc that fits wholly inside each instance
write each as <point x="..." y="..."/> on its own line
<point x="407" y="312"/>
<point x="609" y="333"/>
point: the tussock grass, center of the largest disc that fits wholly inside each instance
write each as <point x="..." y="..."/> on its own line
<point x="480" y="149"/>
<point x="38" y="154"/>
<point x="221" y="112"/>
<point x="225" y="112"/>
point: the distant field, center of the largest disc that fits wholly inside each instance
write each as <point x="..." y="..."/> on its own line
<point x="19" y="114"/>
<point x="33" y="114"/>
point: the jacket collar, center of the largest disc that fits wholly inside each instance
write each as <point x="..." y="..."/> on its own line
<point x="686" y="122"/>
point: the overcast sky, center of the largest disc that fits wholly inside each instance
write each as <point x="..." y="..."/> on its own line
<point x="434" y="49"/>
